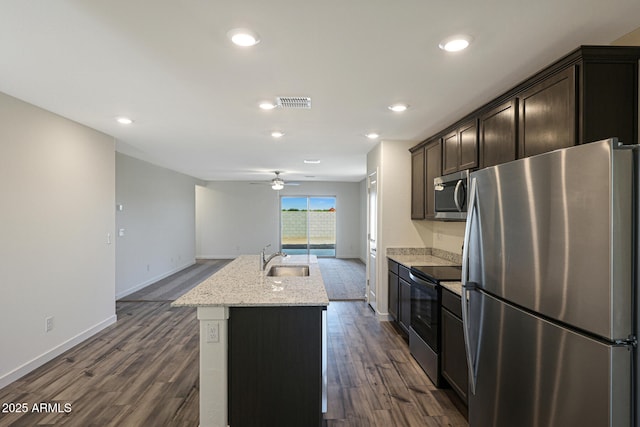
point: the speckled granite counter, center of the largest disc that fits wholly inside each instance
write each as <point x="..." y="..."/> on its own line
<point x="410" y="257"/>
<point x="455" y="287"/>
<point x="242" y="283"/>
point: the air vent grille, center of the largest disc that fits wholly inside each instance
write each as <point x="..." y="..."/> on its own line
<point x="299" y="102"/>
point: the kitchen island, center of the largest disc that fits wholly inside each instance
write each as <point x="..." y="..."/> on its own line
<point x="261" y="343"/>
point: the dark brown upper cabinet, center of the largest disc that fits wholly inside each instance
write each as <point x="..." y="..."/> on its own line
<point x="426" y="164"/>
<point x="498" y="134"/>
<point x="433" y="162"/>
<point x="608" y="99"/>
<point x="548" y="114"/>
<point x="417" y="184"/>
<point x="460" y="148"/>
<point x="588" y="95"/>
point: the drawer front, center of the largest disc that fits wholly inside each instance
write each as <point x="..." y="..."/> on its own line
<point x="452" y="302"/>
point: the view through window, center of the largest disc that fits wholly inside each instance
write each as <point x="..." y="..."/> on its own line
<point x="308" y="225"/>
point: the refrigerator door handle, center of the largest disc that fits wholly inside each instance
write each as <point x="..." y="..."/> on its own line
<point x="468" y="286"/>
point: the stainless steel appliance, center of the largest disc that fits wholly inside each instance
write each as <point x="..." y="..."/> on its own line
<point x="451" y="196"/>
<point x="550" y="289"/>
<point x="424" y="332"/>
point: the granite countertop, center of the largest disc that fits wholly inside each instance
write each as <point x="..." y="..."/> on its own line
<point x="413" y="260"/>
<point x="455" y="287"/>
<point x="410" y="257"/>
<point x="242" y="283"/>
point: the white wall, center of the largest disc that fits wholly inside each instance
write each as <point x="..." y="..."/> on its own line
<point x="158" y="219"/>
<point x="395" y="227"/>
<point x="58" y="193"/>
<point x="234" y="218"/>
<point x="448" y="236"/>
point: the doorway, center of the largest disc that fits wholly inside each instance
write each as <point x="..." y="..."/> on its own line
<point x="308" y="225"/>
<point x="372" y="240"/>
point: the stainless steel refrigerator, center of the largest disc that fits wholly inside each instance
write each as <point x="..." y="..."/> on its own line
<point x="550" y="283"/>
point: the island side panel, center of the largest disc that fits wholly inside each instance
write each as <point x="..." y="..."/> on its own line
<point x="213" y="366"/>
<point x="275" y="366"/>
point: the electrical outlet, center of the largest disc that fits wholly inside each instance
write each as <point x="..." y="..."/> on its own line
<point x="213" y="331"/>
<point x="48" y="324"/>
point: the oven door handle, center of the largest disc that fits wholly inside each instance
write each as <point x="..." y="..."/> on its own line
<point x="420" y="281"/>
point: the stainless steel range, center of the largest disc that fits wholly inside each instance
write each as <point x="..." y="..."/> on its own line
<point x="424" y="333"/>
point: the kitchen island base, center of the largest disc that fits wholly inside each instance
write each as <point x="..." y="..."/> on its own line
<point x="275" y="366"/>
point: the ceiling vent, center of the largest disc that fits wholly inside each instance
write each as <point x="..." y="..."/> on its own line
<point x="297" y="102"/>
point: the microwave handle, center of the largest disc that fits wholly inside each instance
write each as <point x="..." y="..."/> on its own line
<point x="455" y="195"/>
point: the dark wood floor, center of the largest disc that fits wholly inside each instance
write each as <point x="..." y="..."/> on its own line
<point x="373" y="380"/>
<point x="143" y="371"/>
<point x="177" y="284"/>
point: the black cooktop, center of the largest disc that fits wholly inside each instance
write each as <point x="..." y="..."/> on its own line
<point x="450" y="273"/>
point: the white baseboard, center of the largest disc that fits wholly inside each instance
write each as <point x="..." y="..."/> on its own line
<point x="148" y="282"/>
<point x="24" y="369"/>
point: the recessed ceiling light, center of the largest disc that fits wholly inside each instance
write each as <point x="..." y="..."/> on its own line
<point x="312" y="161"/>
<point x="455" y="43"/>
<point x="266" y="105"/>
<point x="372" y="135"/>
<point x="398" y="108"/>
<point x="124" y="120"/>
<point x="243" y="37"/>
<point x="277" y="134"/>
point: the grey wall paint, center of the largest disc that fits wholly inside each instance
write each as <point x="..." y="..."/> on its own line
<point x="58" y="194"/>
<point x="235" y="218"/>
<point x="158" y="222"/>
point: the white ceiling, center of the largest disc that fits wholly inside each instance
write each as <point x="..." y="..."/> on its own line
<point x="194" y="95"/>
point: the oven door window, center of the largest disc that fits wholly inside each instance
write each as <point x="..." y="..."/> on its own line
<point x="425" y="314"/>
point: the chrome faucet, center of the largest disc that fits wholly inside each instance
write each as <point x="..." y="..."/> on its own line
<point x="264" y="261"/>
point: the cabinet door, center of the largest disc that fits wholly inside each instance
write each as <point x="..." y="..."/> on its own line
<point x="468" y="137"/>
<point x="454" y="356"/>
<point x="393" y="295"/>
<point x="417" y="184"/>
<point x="610" y="102"/>
<point x="548" y="115"/>
<point x="498" y="134"/>
<point x="433" y="160"/>
<point x="405" y="305"/>
<point x="450" y="153"/>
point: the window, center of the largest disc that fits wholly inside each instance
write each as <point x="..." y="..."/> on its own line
<point x="308" y="225"/>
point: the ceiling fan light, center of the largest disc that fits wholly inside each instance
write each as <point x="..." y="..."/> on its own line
<point x="277" y="185"/>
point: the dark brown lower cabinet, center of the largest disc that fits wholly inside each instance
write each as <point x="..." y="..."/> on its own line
<point x="405" y="306"/>
<point x="275" y="366"/>
<point x="454" y="357"/>
<point x="394" y="293"/>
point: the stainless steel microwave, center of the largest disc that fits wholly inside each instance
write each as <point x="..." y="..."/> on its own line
<point x="451" y="196"/>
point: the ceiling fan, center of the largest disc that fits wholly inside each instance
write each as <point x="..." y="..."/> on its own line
<point x="277" y="183"/>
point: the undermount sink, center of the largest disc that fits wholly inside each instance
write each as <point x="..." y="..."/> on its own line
<point x="288" y="271"/>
